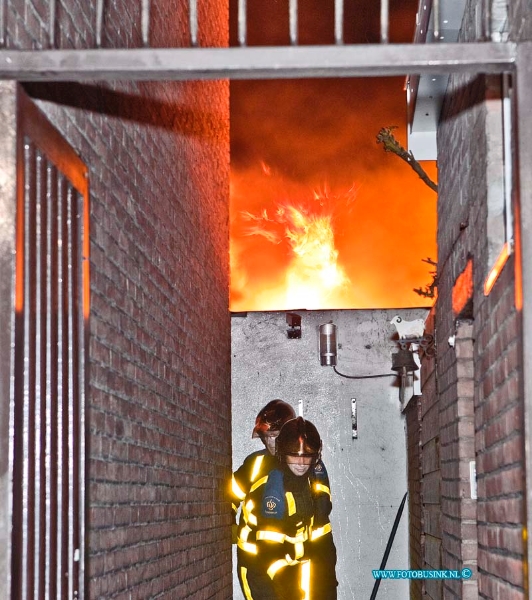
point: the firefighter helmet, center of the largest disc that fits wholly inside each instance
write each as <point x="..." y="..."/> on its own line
<point x="272" y="417"/>
<point x="299" y="439"/>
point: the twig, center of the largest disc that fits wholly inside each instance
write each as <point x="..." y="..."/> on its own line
<point x="386" y="138"/>
<point x="430" y="290"/>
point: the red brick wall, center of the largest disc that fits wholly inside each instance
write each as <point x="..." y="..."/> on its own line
<point x="431" y="541"/>
<point x="415" y="525"/>
<point x="159" y="415"/>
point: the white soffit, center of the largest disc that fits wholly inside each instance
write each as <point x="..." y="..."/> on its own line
<point x="425" y="93"/>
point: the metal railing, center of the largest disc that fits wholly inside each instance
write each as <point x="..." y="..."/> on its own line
<point x="426" y="9"/>
<point x="245" y="61"/>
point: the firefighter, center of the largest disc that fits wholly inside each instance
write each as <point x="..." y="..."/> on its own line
<point x="267" y="426"/>
<point x="285" y="545"/>
<point x="268" y="423"/>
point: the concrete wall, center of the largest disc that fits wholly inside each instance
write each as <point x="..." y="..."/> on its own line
<point x="368" y="474"/>
<point x="159" y="414"/>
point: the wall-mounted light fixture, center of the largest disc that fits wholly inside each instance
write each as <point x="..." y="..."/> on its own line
<point x="294" y="326"/>
<point x="328" y="348"/>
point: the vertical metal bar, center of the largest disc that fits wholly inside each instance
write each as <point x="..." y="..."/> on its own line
<point x="193" y="16"/>
<point x="52" y="387"/>
<point x="40" y="370"/>
<point x="292" y="17"/>
<point x="62" y="366"/>
<point x="145" y="22"/>
<point x="65" y="401"/>
<point x="29" y="487"/>
<point x="99" y="22"/>
<point x="385" y="21"/>
<point x="72" y="400"/>
<point x="77" y="370"/>
<point x="51" y="23"/>
<point x="339" y="21"/>
<point x="242" y="22"/>
<point x="436" y="19"/>
<point x="523" y="260"/>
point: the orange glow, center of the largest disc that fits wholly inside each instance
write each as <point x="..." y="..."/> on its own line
<point x="357" y="246"/>
<point x="493" y="275"/>
<point x="463" y="288"/>
<point x="518" y="265"/>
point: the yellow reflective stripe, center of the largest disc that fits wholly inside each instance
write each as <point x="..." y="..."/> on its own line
<point x="305" y="579"/>
<point x="291" y="503"/>
<point x="245" y="584"/>
<point x="301" y="536"/>
<point x="247" y="547"/>
<point x="244" y="533"/>
<point x="260" y="482"/>
<point x="237" y="490"/>
<point x="320" y="531"/>
<point x="276" y="566"/>
<point x="297" y="539"/>
<point x="270" y="536"/>
<point x="243" y="543"/>
<point x="299" y="549"/>
<point x="319" y="487"/>
<point x="247" y="509"/>
<point x="256" y="468"/>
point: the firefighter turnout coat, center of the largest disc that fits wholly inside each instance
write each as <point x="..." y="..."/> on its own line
<point x="285" y="545"/>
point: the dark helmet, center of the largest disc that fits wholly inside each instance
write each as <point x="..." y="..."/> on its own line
<point x="298" y="438"/>
<point x="272" y="417"/>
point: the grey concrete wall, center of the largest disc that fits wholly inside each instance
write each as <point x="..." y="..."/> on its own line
<point x="368" y="474"/>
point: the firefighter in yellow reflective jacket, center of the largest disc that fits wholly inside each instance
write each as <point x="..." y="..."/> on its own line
<point x="268" y="423"/>
<point x="267" y="426"/>
<point x="285" y="544"/>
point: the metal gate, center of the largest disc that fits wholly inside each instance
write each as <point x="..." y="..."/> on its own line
<point x="51" y="315"/>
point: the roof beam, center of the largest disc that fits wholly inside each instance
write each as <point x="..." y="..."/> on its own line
<point x="360" y="60"/>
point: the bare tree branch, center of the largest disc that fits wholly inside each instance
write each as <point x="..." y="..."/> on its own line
<point x="386" y="138"/>
<point x="430" y="290"/>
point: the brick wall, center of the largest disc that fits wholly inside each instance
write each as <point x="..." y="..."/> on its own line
<point x="430" y="469"/>
<point x="423" y="448"/>
<point x="159" y="415"/>
<point x="479" y="379"/>
<point x="415" y="525"/>
<point x="459" y="510"/>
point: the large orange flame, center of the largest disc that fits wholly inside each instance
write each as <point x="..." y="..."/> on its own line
<point x="311" y="277"/>
<point x="335" y="248"/>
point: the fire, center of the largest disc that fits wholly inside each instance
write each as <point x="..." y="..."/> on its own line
<point x="299" y="244"/>
<point x="312" y="277"/>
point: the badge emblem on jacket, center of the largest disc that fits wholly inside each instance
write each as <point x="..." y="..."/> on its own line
<point x="273" y="500"/>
